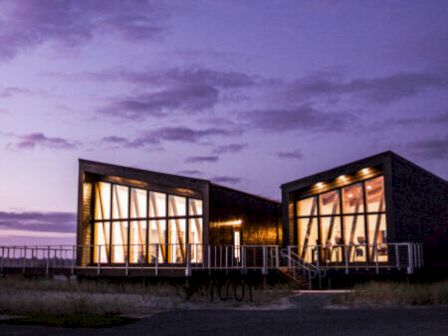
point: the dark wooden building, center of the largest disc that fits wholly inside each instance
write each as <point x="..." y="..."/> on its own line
<point x="138" y="217"/>
<point x="350" y="213"/>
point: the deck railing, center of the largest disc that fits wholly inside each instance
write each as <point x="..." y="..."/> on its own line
<point x="69" y="258"/>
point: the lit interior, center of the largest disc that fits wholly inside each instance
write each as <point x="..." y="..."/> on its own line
<point x="353" y="216"/>
<point x="140" y="226"/>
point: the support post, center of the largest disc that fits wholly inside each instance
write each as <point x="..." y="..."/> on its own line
<point x="346" y="259"/>
<point x="277" y="258"/>
<point x="410" y="259"/>
<point x="157" y="260"/>
<point x="188" y="261"/>
<point x="376" y="260"/>
<point x="397" y="255"/>
<point x="98" y="271"/>
<point x="48" y="262"/>
<point x="24" y="259"/>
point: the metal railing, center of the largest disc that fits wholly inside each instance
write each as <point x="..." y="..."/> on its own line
<point x="155" y="257"/>
<point x="69" y="258"/>
<point x="399" y="256"/>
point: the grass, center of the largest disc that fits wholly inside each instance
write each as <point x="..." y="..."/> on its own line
<point x="395" y="294"/>
<point x="101" y="303"/>
<point x="78" y="320"/>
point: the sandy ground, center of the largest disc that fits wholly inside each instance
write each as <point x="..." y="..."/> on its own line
<point x="307" y="314"/>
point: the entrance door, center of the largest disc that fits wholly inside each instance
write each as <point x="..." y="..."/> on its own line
<point x="237" y="246"/>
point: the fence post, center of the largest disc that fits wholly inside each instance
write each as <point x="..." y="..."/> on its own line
<point x="157" y="260"/>
<point x="265" y="254"/>
<point x="346" y="259"/>
<point x="187" y="261"/>
<point x="277" y="258"/>
<point x="48" y="262"/>
<point x="376" y="262"/>
<point x="24" y="259"/>
<point x="397" y="255"/>
<point x="99" y="260"/>
<point x="410" y="259"/>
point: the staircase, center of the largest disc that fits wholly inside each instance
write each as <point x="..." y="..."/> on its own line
<point x="299" y="272"/>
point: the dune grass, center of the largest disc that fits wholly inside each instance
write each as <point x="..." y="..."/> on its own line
<point x="395" y="294"/>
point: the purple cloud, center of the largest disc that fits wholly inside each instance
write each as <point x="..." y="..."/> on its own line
<point x="226" y="179"/>
<point x="190" y="98"/>
<point x="380" y="90"/>
<point x="33" y="140"/>
<point x="12" y="91"/>
<point x="154" y="137"/>
<point x="430" y="149"/>
<point x="296" y="154"/>
<point x="28" y="23"/>
<point x="39" y="221"/>
<point x="193" y="172"/>
<point x="231" y="148"/>
<point x="198" y="159"/>
<point x="302" y="118"/>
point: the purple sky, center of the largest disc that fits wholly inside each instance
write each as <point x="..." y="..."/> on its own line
<point x="250" y="95"/>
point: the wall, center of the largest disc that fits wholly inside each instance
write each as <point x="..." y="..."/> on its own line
<point x="260" y="217"/>
<point x="420" y="210"/>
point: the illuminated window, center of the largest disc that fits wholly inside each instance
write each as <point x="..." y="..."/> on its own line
<point x="119" y="242"/>
<point x="353" y="199"/>
<point x="177" y="206"/>
<point x="120" y="200"/>
<point x="157" y="240"/>
<point x="307" y="207"/>
<point x="101" y="244"/>
<point x="176" y="240"/>
<point x="195" y="239"/>
<point x="138" y="203"/>
<point x="195" y="207"/>
<point x="157" y="204"/>
<point x="102" y="201"/>
<point x="137" y="242"/>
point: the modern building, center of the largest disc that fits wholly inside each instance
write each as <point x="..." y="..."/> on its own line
<point x="140" y="219"/>
<point x="366" y="213"/>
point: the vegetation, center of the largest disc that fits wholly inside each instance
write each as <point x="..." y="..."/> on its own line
<point x="396" y="293"/>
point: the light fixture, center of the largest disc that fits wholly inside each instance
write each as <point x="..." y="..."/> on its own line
<point x="365" y="171"/>
<point x="236" y="222"/>
<point x="369" y="187"/>
<point x="320" y="184"/>
<point x="350" y="195"/>
<point x="342" y="177"/>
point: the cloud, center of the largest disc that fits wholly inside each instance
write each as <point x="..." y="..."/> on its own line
<point x="231" y="148"/>
<point x="441" y="118"/>
<point x="303" y="118"/>
<point x="39" y="221"/>
<point x="27" y="23"/>
<point x="185" y="90"/>
<point x="189" y="98"/>
<point x="157" y="136"/>
<point x="199" y="159"/>
<point x="190" y="172"/>
<point x="33" y="140"/>
<point x="430" y="149"/>
<point x="380" y="90"/>
<point x="296" y="154"/>
<point x="12" y="91"/>
<point x="226" y="179"/>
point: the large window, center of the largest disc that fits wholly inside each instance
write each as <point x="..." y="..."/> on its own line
<point x="139" y="226"/>
<point x="346" y="221"/>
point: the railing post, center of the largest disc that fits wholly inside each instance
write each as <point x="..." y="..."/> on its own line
<point x="48" y="262"/>
<point x="277" y="258"/>
<point x="227" y="259"/>
<point x="346" y="259"/>
<point x="73" y="259"/>
<point x="209" y="258"/>
<point x="397" y="255"/>
<point x="187" y="262"/>
<point x="243" y="252"/>
<point x="99" y="260"/>
<point x="410" y="259"/>
<point x="289" y="256"/>
<point x="157" y="260"/>
<point x="376" y="261"/>
<point x="265" y="254"/>
<point x="24" y="259"/>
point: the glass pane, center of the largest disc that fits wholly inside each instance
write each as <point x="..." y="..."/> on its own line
<point x="157" y="240"/>
<point x="329" y="203"/>
<point x="157" y="204"/>
<point x="355" y="238"/>
<point x="176" y="240"/>
<point x="195" y="207"/>
<point x="307" y="207"/>
<point x="138" y="203"/>
<point x="177" y="206"/>
<point x="119" y="241"/>
<point x="102" y="201"/>
<point x="352" y="197"/>
<point x="195" y="239"/>
<point x="120" y="201"/>
<point x="375" y="195"/>
<point x="101" y="242"/>
<point x="377" y="237"/>
<point x="138" y="242"/>
<point x="308" y="238"/>
<point x="331" y="239"/>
